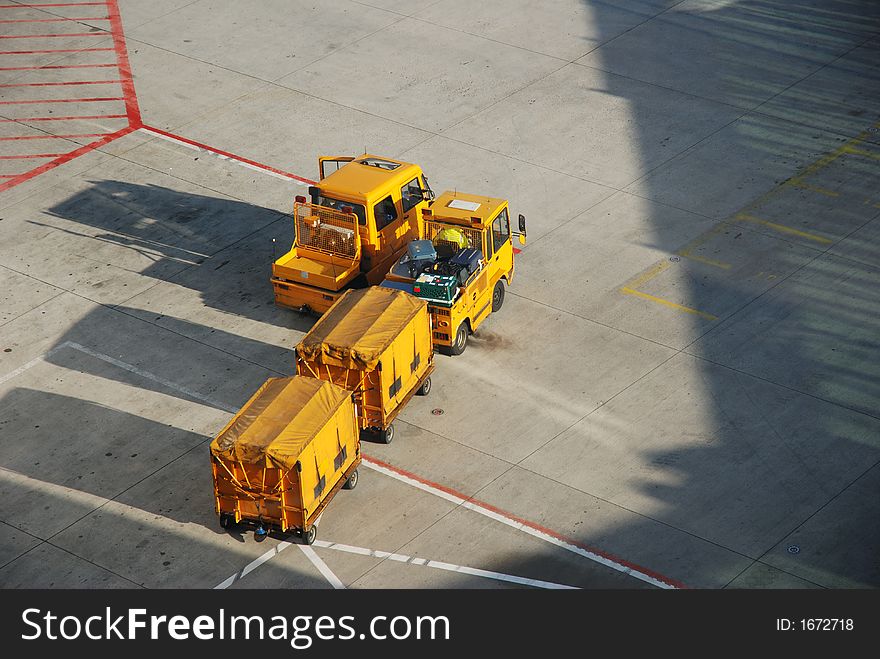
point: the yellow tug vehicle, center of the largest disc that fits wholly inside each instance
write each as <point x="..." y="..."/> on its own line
<point x="356" y="223"/>
<point x="461" y="264"/>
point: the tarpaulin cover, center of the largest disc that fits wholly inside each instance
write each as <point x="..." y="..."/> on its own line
<point x="279" y="421"/>
<point x="359" y="327"/>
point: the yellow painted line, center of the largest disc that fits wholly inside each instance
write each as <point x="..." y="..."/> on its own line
<point x="781" y="228"/>
<point x="650" y="274"/>
<point x="666" y="303"/>
<point x="863" y="152"/>
<point x="712" y="262"/>
<point x="798" y="183"/>
<point x="699" y="241"/>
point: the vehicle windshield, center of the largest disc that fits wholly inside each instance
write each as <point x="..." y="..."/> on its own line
<point x="338" y="205"/>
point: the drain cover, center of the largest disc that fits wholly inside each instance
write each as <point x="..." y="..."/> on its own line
<point x="675" y="259"/>
<point x="436" y="411"/>
<point x="794" y="549"/>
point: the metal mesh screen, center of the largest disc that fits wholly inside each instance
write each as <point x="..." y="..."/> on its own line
<point x="327" y="230"/>
<point x="474" y="236"/>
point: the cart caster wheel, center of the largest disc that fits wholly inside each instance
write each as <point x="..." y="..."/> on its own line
<point x="305" y="310"/>
<point x="425" y="389"/>
<point x="385" y="436"/>
<point x="227" y="521"/>
<point x="310" y="536"/>
<point x="351" y="482"/>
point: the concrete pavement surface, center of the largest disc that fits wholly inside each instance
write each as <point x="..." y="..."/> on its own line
<point x="683" y="386"/>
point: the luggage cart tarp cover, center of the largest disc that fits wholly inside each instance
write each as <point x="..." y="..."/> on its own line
<point x="282" y="418"/>
<point x="359" y="327"/>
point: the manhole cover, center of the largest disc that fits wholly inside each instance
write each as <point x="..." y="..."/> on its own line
<point x="794" y="549"/>
<point x="436" y="411"/>
<point x="675" y="259"/>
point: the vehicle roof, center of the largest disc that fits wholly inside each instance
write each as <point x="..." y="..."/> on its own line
<point x="486" y="207"/>
<point x="366" y="182"/>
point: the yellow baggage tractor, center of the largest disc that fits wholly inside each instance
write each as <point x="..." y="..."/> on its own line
<point x="283" y="457"/>
<point x="375" y="342"/>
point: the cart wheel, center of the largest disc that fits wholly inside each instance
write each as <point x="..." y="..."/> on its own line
<point x="351" y="482"/>
<point x="305" y="310"/>
<point x="227" y="521"/>
<point x="385" y="436"/>
<point x="498" y="296"/>
<point x="461" y="339"/>
<point x="311" y="535"/>
<point x="425" y="389"/>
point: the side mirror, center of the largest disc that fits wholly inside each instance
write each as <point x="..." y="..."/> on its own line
<point x="522" y="224"/>
<point x="522" y="238"/>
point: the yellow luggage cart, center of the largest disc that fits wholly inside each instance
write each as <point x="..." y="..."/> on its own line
<point x="284" y="455"/>
<point x="375" y="342"/>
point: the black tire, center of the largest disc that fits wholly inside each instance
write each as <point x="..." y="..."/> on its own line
<point x="387" y="436"/>
<point x="461" y="339"/>
<point x="498" y="296"/>
<point x="425" y="389"/>
<point x="351" y="482"/>
<point x="227" y="521"/>
<point x="309" y="537"/>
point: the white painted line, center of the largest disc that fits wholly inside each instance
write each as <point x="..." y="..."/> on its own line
<point x="340" y="547"/>
<point x="322" y="567"/>
<point x="24" y="367"/>
<point x="149" y="376"/>
<point x="253" y="565"/>
<point x="412" y="481"/>
<point x="226" y="583"/>
<point x="440" y="565"/>
<point x="498" y="576"/>
<point x="498" y="517"/>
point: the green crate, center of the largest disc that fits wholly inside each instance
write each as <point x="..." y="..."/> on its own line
<point x="436" y="288"/>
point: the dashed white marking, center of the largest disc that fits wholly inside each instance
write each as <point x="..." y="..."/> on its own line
<point x="253" y="565"/>
<point x="322" y="567"/>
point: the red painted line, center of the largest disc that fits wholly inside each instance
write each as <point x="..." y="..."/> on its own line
<point x="34" y="155"/>
<point x="53" y="20"/>
<point x="49" y="137"/>
<point x="525" y="522"/>
<point x="61" y="84"/>
<point x="76" y="118"/>
<point x="57" y="66"/>
<point x="56" y="50"/>
<point x="517" y="250"/>
<point x="53" y="36"/>
<point x="67" y="157"/>
<point x="57" y="4"/>
<point x="131" y="103"/>
<point x="226" y="154"/>
<point x="63" y="100"/>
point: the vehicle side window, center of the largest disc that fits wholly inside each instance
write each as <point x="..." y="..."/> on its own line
<point x="411" y="194"/>
<point x="500" y="230"/>
<point x="385" y="213"/>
